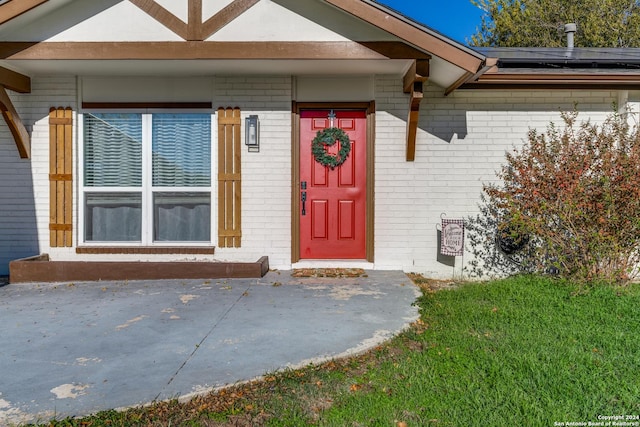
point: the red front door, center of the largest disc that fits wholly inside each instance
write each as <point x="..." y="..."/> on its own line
<point x="333" y="213"/>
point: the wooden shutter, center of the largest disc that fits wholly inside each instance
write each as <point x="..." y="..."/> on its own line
<point x="229" y="178"/>
<point x="60" y="177"/>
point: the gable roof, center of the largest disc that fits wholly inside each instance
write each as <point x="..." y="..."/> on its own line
<point x="396" y="41"/>
<point x="390" y="49"/>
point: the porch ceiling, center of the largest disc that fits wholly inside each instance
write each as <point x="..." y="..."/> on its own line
<point x="442" y="74"/>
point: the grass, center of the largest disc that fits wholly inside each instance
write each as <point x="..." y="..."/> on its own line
<point x="522" y="351"/>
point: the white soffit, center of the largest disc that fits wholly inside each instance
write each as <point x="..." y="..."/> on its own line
<point x="444" y="73"/>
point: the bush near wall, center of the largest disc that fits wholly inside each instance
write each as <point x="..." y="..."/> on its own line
<point x="568" y="203"/>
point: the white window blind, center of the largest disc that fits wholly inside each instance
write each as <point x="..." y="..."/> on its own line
<point x="112" y="150"/>
<point x="181" y="150"/>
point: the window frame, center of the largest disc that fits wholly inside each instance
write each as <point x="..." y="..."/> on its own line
<point x="147" y="190"/>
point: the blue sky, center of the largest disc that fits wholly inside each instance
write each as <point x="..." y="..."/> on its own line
<point x="457" y="19"/>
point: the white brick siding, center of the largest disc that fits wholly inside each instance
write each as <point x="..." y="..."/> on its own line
<point x="266" y="176"/>
<point x="461" y="142"/>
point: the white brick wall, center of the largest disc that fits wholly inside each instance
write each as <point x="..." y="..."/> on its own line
<point x="266" y="187"/>
<point x="24" y="184"/>
<point x="266" y="176"/>
<point x="461" y="142"/>
<point x="462" y="139"/>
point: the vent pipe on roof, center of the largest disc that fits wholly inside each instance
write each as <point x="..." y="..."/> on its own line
<point x="570" y="31"/>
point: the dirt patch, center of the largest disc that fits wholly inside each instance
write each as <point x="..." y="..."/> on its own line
<point x="432" y="285"/>
<point x="329" y="272"/>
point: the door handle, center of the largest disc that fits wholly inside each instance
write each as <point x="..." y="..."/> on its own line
<point x="303" y="186"/>
<point x="304" y="200"/>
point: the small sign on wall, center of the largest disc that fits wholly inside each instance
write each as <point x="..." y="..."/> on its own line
<point x="452" y="237"/>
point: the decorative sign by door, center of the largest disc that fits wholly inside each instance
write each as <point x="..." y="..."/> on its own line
<point x="452" y="242"/>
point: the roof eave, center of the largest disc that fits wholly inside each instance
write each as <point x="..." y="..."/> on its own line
<point x="413" y="33"/>
<point x="609" y="81"/>
<point x="14" y="8"/>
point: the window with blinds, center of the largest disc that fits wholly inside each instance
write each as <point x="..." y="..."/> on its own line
<point x="181" y="150"/>
<point x="112" y="150"/>
<point x="147" y="178"/>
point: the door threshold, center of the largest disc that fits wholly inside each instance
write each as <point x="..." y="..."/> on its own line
<point x="333" y="263"/>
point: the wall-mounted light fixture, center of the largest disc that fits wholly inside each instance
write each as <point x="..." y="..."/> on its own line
<point x="252" y="133"/>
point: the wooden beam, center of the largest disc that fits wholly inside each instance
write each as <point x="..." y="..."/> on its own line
<point x="208" y="50"/>
<point x="412" y="83"/>
<point x="225" y="16"/>
<point x="418" y="72"/>
<point x="185" y="50"/>
<point x="396" y="50"/>
<point x="194" y="27"/>
<point x="412" y="122"/>
<point x="15" y="81"/>
<point x="13" y="9"/>
<point x="17" y="128"/>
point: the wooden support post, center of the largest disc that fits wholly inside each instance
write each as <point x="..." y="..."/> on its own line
<point x="413" y="83"/>
<point x="412" y="121"/>
<point x="15" y="81"/>
<point x="17" y="128"/>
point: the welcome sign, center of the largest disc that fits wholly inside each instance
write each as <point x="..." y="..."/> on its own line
<point x="452" y="237"/>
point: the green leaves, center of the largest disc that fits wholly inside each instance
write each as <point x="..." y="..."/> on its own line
<point x="576" y="192"/>
<point x="540" y="23"/>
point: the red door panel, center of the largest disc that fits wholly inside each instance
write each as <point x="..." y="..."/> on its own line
<point x="347" y="220"/>
<point x="333" y="223"/>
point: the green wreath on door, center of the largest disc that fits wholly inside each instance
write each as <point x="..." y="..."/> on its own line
<point x="327" y="138"/>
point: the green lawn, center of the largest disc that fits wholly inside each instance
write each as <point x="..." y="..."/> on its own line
<point x="519" y="352"/>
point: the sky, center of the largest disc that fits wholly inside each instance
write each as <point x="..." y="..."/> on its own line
<point x="457" y="19"/>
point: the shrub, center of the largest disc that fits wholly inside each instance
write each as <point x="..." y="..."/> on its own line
<point x="568" y="203"/>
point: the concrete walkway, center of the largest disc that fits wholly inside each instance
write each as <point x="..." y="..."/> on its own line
<point x="71" y="349"/>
